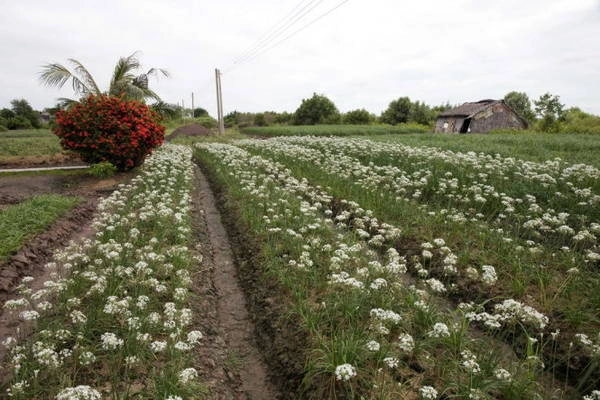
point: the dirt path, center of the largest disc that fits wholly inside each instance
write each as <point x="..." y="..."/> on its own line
<point x="235" y="368"/>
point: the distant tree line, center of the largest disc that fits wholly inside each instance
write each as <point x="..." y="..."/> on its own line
<point x="20" y="116"/>
<point x="319" y="109"/>
<point x="545" y="114"/>
<point x="548" y="114"/>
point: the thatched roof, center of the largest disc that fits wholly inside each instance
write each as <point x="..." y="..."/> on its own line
<point x="469" y="109"/>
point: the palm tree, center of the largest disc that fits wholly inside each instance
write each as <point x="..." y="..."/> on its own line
<point x="124" y="81"/>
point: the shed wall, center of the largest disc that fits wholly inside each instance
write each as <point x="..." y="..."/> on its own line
<point x="496" y="117"/>
<point x="454" y="124"/>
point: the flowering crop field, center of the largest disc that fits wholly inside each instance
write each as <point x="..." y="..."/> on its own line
<point x="114" y="321"/>
<point x="419" y="273"/>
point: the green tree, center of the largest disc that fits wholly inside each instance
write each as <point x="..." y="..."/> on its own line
<point x="259" y="119"/>
<point x="21" y="108"/>
<point x="200" y="112"/>
<point x="397" y="112"/>
<point x="358" y="117"/>
<point x="124" y="81"/>
<point x="231" y="118"/>
<point x="283" y="117"/>
<point x="6" y="113"/>
<point x="550" y="110"/>
<point x="421" y="113"/>
<point x="520" y="103"/>
<point x="316" y="110"/>
<point x="577" y="121"/>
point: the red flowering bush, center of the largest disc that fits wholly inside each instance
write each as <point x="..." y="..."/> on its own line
<point x="103" y="128"/>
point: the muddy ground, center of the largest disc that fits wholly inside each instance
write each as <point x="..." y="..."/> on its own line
<point x="54" y="160"/>
<point x="230" y="362"/>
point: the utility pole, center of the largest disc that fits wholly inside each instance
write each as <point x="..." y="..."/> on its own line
<point x="219" y="101"/>
<point x="182" y="109"/>
<point x="192" y="104"/>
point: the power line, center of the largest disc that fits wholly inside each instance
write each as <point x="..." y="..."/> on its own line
<point x="290" y="35"/>
<point x="271" y="30"/>
<point x="280" y="31"/>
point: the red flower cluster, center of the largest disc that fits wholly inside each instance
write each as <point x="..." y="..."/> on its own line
<point x="103" y="128"/>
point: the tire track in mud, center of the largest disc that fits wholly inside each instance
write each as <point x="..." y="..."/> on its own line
<point x="233" y="367"/>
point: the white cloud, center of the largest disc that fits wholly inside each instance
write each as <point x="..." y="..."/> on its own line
<point x="362" y="55"/>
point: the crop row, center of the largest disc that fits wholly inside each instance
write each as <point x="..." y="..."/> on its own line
<point x="536" y="278"/>
<point x="114" y="320"/>
<point x="551" y="203"/>
<point x="374" y="330"/>
<point x="558" y="278"/>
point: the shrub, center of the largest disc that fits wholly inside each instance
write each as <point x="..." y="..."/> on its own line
<point x="317" y="110"/>
<point x="358" y="117"/>
<point x="102" y="128"/>
<point x="207" y="122"/>
<point x="3" y="128"/>
<point x="102" y="169"/>
<point x="259" y="120"/>
<point x="18" y="122"/>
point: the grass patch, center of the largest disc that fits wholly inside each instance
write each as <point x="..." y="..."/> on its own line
<point x="540" y="147"/>
<point x="29" y="145"/>
<point x="20" y="222"/>
<point x="334" y="130"/>
<point x="26" y="133"/>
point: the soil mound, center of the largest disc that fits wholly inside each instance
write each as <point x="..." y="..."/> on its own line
<point x="189" y="130"/>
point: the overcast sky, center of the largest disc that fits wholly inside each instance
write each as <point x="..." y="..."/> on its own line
<point x="362" y="55"/>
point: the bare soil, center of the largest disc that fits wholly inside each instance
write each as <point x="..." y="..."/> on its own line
<point x="230" y="362"/>
<point x="280" y="340"/>
<point x="59" y="159"/>
<point x="189" y="130"/>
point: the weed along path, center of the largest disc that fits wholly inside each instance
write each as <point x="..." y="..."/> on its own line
<point x="235" y="366"/>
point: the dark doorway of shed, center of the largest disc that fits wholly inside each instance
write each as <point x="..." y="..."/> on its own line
<point x="465" y="125"/>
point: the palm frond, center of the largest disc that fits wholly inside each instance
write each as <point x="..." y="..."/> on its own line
<point x="141" y="81"/>
<point x="122" y="74"/>
<point x="57" y="75"/>
<point x="85" y="75"/>
<point x="167" y="111"/>
<point x="63" y="102"/>
<point x="158" y="71"/>
<point x="149" y="94"/>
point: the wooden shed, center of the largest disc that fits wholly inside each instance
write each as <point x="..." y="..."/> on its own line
<point x="481" y="116"/>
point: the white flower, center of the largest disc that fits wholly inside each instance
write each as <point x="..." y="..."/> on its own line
<point x="187" y="375"/>
<point x="345" y="372"/>
<point x="373" y="345"/>
<point x="428" y="393"/>
<point x="77" y="317"/>
<point x="502" y="374"/>
<point x="439" y="330"/>
<point x="436" y="285"/>
<point x="406" y="342"/>
<point x="110" y="341"/>
<point x="385" y="315"/>
<point x="29" y="315"/>
<point x="488" y="275"/>
<point x="87" y="358"/>
<point x="595" y="395"/>
<point x="391" y="362"/>
<point x="158" y="346"/>
<point x="182" y="346"/>
<point x="194" y="336"/>
<point x="81" y="392"/>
